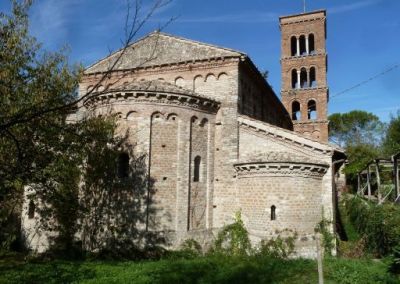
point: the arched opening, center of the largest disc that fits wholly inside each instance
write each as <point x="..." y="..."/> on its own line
<point x="313" y="80"/>
<point x="303" y="78"/>
<point x="296" y="114"/>
<point x="196" y="172"/>
<point x="273" y="212"/>
<point x="123" y="165"/>
<point x="312" y="109"/>
<point x="294" y="79"/>
<point x="31" y="209"/>
<point x="311" y="44"/>
<point x="302" y="40"/>
<point x="293" y="46"/>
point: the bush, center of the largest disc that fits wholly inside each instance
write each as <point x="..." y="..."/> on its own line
<point x="380" y="224"/>
<point x="279" y="247"/>
<point x="233" y="239"/>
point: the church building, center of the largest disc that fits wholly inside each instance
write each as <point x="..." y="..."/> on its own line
<point x="216" y="137"/>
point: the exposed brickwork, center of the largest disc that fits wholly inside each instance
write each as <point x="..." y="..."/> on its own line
<point x="217" y="109"/>
<point x="304" y="48"/>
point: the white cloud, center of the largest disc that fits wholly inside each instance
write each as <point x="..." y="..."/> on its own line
<point x="352" y="6"/>
<point x="246" y="17"/>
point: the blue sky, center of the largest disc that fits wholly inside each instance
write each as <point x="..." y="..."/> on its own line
<point x="363" y="37"/>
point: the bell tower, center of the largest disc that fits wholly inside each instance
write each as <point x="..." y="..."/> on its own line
<point x="304" y="91"/>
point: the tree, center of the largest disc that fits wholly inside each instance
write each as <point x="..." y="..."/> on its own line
<point x="391" y="142"/>
<point x="360" y="134"/>
<point x="39" y="146"/>
<point x="355" y="127"/>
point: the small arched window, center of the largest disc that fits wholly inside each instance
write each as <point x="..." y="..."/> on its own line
<point x="312" y="109"/>
<point x="296" y="114"/>
<point x="311" y="44"/>
<point x="31" y="209"/>
<point x="313" y="80"/>
<point x="123" y="165"/>
<point x="196" y="172"/>
<point x="303" y="50"/>
<point x="303" y="78"/>
<point x="293" y="46"/>
<point x="294" y="79"/>
<point x="273" y="212"/>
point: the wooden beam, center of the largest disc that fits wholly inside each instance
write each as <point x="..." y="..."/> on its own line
<point x="369" y="183"/>
<point x="378" y="181"/>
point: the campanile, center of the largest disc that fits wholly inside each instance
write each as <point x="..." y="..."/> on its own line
<point x="305" y="93"/>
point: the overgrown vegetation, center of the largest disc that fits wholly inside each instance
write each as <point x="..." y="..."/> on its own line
<point x="378" y="224"/>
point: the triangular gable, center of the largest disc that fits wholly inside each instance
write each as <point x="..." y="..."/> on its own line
<point x="159" y="49"/>
<point x="257" y="137"/>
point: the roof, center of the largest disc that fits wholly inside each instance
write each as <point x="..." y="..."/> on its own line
<point x="159" y="48"/>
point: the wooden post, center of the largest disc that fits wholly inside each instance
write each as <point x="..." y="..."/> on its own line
<point x="378" y="181"/>
<point x="396" y="176"/>
<point x="358" y="184"/>
<point x="319" y="259"/>
<point x="369" y="183"/>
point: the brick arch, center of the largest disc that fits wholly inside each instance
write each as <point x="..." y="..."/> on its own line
<point x="157" y="115"/>
<point x="172" y="117"/>
<point x="210" y="77"/>
<point x="179" y="81"/>
<point x="222" y="76"/>
<point x="130" y="115"/>
<point x="197" y="81"/>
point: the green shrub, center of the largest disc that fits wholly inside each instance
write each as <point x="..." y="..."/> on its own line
<point x="328" y="238"/>
<point x="233" y="239"/>
<point x="380" y="224"/>
<point x="278" y="247"/>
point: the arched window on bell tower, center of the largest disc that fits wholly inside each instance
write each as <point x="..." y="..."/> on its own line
<point x="303" y="78"/>
<point x="296" y="113"/>
<point x="312" y="109"/>
<point x="294" y="79"/>
<point x="311" y="44"/>
<point x="303" y="50"/>
<point x="313" y="79"/>
<point x="293" y="46"/>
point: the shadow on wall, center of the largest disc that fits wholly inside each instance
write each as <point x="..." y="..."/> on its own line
<point x="106" y="207"/>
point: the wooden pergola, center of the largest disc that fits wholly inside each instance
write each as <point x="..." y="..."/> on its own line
<point x="370" y="179"/>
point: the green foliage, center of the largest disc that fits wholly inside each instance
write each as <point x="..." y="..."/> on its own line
<point x="233" y="239"/>
<point x="209" y="269"/>
<point x="279" y="247"/>
<point x="391" y="142"/>
<point x="355" y="127"/>
<point x="380" y="224"/>
<point x="328" y="238"/>
<point x="395" y="263"/>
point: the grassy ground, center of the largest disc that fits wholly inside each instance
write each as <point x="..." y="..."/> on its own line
<point x="211" y="269"/>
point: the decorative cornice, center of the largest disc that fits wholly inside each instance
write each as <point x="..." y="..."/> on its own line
<point x="174" y="66"/>
<point x="182" y="100"/>
<point x="301" y="57"/>
<point x="284" y="135"/>
<point x="262" y="169"/>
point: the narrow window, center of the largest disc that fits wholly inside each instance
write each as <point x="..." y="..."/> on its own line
<point x="312" y="109"/>
<point x="313" y="81"/>
<point x="293" y="45"/>
<point x="31" y="209"/>
<point x="296" y="114"/>
<point x="294" y="79"/>
<point x="303" y="50"/>
<point x="123" y="165"/>
<point x="303" y="78"/>
<point x="273" y="213"/>
<point x="311" y="44"/>
<point x="196" y="173"/>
